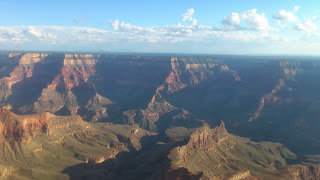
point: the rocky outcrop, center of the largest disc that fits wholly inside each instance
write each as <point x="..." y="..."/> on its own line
<point x="217" y="154"/>
<point x="302" y="172"/>
<point x="98" y="160"/>
<point x="59" y="95"/>
<point x="22" y="71"/>
<point x="13" y="54"/>
<point x="22" y="128"/>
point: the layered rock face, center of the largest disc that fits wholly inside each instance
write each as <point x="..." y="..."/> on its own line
<point x="59" y="95"/>
<point x="22" y="128"/>
<point x="22" y="71"/>
<point x="184" y="72"/>
<point x="191" y="71"/>
<point x="216" y="154"/>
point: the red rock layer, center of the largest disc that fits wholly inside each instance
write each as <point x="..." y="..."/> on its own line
<point x="22" y="71"/>
<point x="22" y="127"/>
<point x="76" y="68"/>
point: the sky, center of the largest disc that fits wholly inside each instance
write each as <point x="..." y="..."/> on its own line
<point x="270" y="27"/>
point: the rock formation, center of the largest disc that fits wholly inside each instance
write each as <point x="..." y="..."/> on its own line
<point x="59" y="95"/>
<point x="185" y="72"/>
<point x="22" y="71"/>
<point x="216" y="154"/>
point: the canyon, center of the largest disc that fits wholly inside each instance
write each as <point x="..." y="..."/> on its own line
<point x="92" y="116"/>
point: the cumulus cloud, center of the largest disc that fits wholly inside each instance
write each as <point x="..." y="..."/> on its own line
<point x="127" y="27"/>
<point x="296" y="8"/>
<point x="12" y="34"/>
<point x="115" y="25"/>
<point x="307" y="26"/>
<point x="171" y="33"/>
<point x="232" y="23"/>
<point x="39" y="34"/>
<point x="280" y="24"/>
<point x="188" y="17"/>
<point x="286" y="18"/>
<point x="256" y="21"/>
<point x="78" y="20"/>
<point x="284" y="15"/>
<point x="248" y="20"/>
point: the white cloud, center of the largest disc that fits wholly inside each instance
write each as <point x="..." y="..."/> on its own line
<point x="256" y="21"/>
<point x="248" y="20"/>
<point x="12" y="34"/>
<point x="284" y="26"/>
<point x="115" y="25"/>
<point x="284" y="15"/>
<point x="188" y="17"/>
<point x="40" y="34"/>
<point x="307" y="26"/>
<point x="169" y="33"/>
<point x="130" y="28"/>
<point x="78" y="20"/>
<point x="49" y="34"/>
<point x="314" y="18"/>
<point x="296" y="8"/>
<point x="232" y="23"/>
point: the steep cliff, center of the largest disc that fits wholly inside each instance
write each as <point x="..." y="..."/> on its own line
<point x="191" y="71"/>
<point x="184" y="72"/>
<point x="60" y="97"/>
<point x="22" y="71"/>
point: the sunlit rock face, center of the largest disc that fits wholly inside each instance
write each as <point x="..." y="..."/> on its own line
<point x="216" y="154"/>
<point x="76" y="70"/>
<point x="22" y="71"/>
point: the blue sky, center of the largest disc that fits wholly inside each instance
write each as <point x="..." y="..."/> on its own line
<point x="210" y="27"/>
